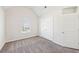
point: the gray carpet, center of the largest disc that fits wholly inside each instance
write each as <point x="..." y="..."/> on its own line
<point x="35" y="45"/>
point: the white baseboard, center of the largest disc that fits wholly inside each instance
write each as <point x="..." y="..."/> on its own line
<point x="20" y="38"/>
<point x="2" y="44"/>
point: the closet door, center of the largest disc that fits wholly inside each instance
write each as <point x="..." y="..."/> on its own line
<point x="71" y="31"/>
<point x="46" y="27"/>
<point x="58" y="29"/>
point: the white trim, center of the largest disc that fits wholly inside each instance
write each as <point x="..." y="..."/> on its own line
<point x="20" y="38"/>
<point x="2" y="45"/>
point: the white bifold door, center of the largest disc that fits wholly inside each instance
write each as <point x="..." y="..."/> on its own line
<point x="46" y="27"/>
<point x="71" y="30"/>
<point x="66" y="30"/>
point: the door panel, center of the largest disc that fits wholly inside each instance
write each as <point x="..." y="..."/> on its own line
<point x="46" y="27"/>
<point x="70" y="27"/>
<point x="58" y="29"/>
<point x="66" y="28"/>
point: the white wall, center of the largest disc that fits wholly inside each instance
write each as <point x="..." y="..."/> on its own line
<point x="16" y="17"/>
<point x="46" y="25"/>
<point x="2" y="28"/>
<point x="55" y="22"/>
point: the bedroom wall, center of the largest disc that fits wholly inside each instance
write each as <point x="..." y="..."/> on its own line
<point x="61" y="30"/>
<point x="46" y="23"/>
<point x="2" y="28"/>
<point x="16" y="18"/>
